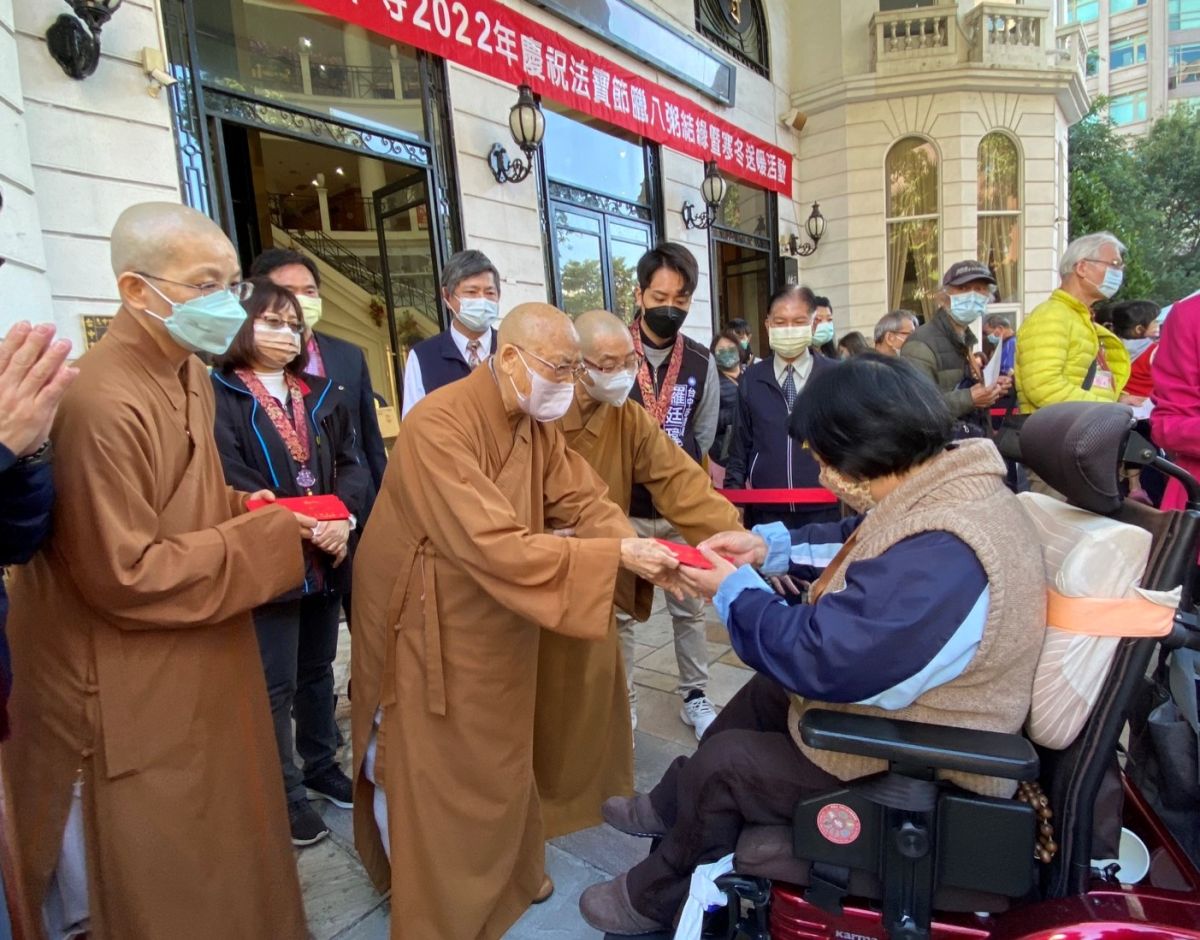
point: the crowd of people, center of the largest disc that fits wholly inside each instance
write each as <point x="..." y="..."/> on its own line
<point x="173" y="625"/>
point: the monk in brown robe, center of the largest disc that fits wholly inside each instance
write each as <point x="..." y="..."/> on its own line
<point x="140" y="725"/>
<point x="457" y="574"/>
<point x="583" y="739"/>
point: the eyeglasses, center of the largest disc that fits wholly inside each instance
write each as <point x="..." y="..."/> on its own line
<point x="560" y="373"/>
<point x="240" y="289"/>
<point x="632" y="363"/>
<point x="1118" y="265"/>
<point x="274" y="322"/>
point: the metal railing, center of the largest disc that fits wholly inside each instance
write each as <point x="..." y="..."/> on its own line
<point x="901" y="39"/>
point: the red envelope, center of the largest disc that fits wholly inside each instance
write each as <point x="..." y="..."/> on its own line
<point x="327" y="508"/>
<point x="687" y="555"/>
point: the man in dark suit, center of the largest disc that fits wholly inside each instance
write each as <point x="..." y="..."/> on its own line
<point x="471" y="292"/>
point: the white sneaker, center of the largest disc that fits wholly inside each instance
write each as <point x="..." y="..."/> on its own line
<point x="699" y="713"/>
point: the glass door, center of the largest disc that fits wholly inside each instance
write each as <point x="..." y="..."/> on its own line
<point x="596" y="259"/>
<point x="407" y="261"/>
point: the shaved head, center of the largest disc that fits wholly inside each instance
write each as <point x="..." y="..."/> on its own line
<point x="534" y="339"/>
<point x="147" y="233"/>
<point x="164" y="253"/>
<point x="541" y="328"/>
<point x="599" y="328"/>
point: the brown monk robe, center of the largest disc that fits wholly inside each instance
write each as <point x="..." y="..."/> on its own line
<point x="583" y="740"/>
<point x="140" y="679"/>
<point x="456" y="572"/>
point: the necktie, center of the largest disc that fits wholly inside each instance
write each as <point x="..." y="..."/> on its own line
<point x="473" y="353"/>
<point x="789" y="388"/>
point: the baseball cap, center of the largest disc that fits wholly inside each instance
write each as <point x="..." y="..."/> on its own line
<point x="964" y="272"/>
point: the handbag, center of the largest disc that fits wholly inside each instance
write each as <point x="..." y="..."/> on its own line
<point x="1008" y="437"/>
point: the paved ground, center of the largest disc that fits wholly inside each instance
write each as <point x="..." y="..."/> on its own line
<point x="342" y="904"/>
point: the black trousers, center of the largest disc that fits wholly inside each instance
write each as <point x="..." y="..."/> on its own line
<point x="298" y="643"/>
<point x="747" y="770"/>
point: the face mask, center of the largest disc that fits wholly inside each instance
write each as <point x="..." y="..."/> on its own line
<point x="203" y="324"/>
<point x="546" y="401"/>
<point x="854" y="493"/>
<point x="727" y="358"/>
<point x="276" y="346"/>
<point x="994" y="339"/>
<point x="790" y="341"/>
<point x="744" y="343"/>
<point x="967" y="308"/>
<point x="611" y="388"/>
<point x="823" y="333"/>
<point x="1113" y="279"/>
<point x="312" y="309"/>
<point x="665" y="321"/>
<point x="477" y="313"/>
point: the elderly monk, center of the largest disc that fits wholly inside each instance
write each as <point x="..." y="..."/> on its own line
<point x="142" y="770"/>
<point x="583" y="739"/>
<point x="457" y="574"/>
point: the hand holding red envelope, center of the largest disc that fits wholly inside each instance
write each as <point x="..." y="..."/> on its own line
<point x="688" y="555"/>
<point x="327" y="508"/>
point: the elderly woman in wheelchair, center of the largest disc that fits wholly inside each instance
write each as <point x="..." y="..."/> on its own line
<point x="876" y="752"/>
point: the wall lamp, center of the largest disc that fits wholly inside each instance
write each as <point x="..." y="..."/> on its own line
<point x="815" y="226"/>
<point x="712" y="189"/>
<point x="74" y="38"/>
<point x="528" y="126"/>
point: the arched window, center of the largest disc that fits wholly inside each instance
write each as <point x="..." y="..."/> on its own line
<point x="913" y="250"/>
<point x="740" y="26"/>
<point x="999" y="213"/>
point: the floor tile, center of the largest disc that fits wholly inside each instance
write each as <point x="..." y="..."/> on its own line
<point x="663" y="660"/>
<point x="658" y="714"/>
<point x="725" y="681"/>
<point x="337" y="892"/>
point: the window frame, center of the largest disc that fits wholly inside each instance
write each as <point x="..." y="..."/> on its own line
<point x="759" y="13"/>
<point x="1018" y="212"/>
<point x="889" y="219"/>
<point x="1138" y="44"/>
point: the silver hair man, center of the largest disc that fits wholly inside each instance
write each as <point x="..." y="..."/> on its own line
<point x="1085" y="248"/>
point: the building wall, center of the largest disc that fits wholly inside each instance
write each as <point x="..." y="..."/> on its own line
<point x="502" y="219"/>
<point x="75" y="154"/>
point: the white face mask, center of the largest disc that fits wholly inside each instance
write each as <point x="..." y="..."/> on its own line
<point x="312" y="309"/>
<point x="546" y="401"/>
<point x="612" y="388"/>
<point x="276" y="346"/>
<point x="790" y="341"/>
<point x="477" y="313"/>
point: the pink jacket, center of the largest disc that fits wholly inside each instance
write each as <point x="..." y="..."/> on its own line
<point x="1175" y="421"/>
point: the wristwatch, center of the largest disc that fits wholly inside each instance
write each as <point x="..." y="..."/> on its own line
<point x="38" y="457"/>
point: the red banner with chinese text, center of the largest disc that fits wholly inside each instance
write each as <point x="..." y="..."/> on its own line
<point x="490" y="38"/>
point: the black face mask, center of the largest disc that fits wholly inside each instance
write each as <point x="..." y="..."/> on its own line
<point x="665" y="321"/>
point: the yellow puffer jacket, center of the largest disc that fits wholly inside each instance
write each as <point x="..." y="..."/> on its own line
<point x="1056" y="346"/>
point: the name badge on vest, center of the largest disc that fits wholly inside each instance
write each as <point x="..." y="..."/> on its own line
<point x="1103" y="380"/>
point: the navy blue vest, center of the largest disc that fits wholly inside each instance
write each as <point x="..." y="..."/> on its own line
<point x="441" y="362"/>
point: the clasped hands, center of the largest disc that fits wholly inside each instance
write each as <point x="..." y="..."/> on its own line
<point x="331" y="537"/>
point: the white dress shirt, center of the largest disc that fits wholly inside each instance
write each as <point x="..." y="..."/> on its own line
<point x="414" y="387"/>
<point x="801" y="366"/>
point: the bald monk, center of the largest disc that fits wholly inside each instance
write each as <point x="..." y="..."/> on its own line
<point x="141" y="768"/>
<point x="457" y="574"/>
<point x="583" y="739"/>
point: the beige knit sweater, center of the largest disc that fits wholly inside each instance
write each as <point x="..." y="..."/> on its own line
<point x="961" y="491"/>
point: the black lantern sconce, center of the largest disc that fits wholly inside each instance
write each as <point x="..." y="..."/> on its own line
<point x="74" y="38"/>
<point x="528" y="126"/>
<point x="815" y="226"/>
<point x="712" y="189"/>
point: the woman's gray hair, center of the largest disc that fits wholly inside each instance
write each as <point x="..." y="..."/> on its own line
<point x="1084" y="248"/>
<point x="891" y="323"/>
<point x="464" y="264"/>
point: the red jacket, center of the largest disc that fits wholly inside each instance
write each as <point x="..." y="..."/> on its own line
<point x="1175" y="421"/>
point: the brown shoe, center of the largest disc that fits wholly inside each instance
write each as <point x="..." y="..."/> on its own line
<point x="607" y="908"/>
<point x="634" y="815"/>
<point x="544" y="891"/>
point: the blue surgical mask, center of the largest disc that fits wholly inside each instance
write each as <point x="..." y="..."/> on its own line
<point x="994" y="339"/>
<point x="1113" y="279"/>
<point x="203" y="324"/>
<point x="967" y="308"/>
<point x="823" y="333"/>
<point x="477" y="313"/>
